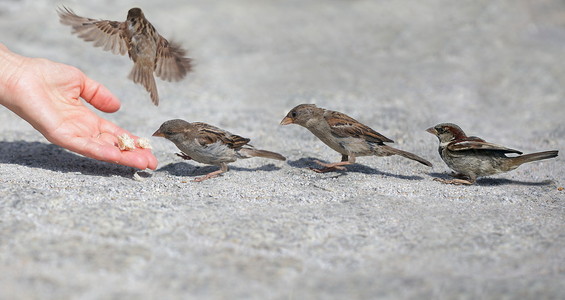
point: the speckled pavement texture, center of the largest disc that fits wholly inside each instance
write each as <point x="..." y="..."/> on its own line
<point x="75" y="228"/>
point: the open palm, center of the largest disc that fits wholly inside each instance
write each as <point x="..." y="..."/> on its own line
<point x="47" y="95"/>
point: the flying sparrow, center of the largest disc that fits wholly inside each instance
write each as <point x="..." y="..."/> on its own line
<point x="211" y="145"/>
<point x="472" y="157"/>
<point x="149" y="51"/>
<point x="343" y="134"/>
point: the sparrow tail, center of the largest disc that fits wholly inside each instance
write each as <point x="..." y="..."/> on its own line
<point x="409" y="155"/>
<point x="144" y="75"/>
<point x="535" y="156"/>
<point x="249" y="152"/>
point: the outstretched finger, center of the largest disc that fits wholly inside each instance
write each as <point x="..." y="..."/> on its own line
<point x="99" y="96"/>
<point x="138" y="158"/>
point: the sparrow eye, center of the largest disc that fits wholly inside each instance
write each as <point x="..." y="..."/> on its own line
<point x="293" y="114"/>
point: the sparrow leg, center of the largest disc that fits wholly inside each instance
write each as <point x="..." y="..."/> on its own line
<point x="460" y="179"/>
<point x="345" y="160"/>
<point x="183" y="156"/>
<point x="223" y="169"/>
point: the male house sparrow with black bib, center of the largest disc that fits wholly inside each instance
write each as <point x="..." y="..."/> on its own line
<point x="472" y="157"/>
<point x="343" y="134"/>
<point x="149" y="51"/>
<point x="211" y="145"/>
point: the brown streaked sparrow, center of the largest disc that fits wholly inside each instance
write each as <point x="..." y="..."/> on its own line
<point x="211" y="145"/>
<point x="472" y="157"/>
<point x="149" y="51"/>
<point x="343" y="134"/>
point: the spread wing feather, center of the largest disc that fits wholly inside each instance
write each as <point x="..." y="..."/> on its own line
<point x="109" y="35"/>
<point x="171" y="61"/>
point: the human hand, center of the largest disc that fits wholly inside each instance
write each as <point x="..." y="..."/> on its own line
<point x="46" y="94"/>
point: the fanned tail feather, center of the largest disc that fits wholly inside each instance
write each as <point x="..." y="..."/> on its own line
<point x="144" y="75"/>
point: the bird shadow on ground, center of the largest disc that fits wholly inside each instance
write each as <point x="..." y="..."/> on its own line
<point x="187" y="169"/>
<point x="497" y="181"/>
<point x="54" y="158"/>
<point x="309" y="162"/>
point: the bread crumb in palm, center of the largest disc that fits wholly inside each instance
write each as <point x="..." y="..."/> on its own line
<point x="125" y="142"/>
<point x="144" y="143"/>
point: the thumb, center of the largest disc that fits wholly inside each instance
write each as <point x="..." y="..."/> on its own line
<point x="99" y="96"/>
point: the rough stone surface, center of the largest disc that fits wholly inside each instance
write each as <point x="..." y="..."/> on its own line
<point x="72" y="227"/>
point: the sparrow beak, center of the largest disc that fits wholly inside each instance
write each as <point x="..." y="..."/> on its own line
<point x="287" y="120"/>
<point x="432" y="130"/>
<point x="158" y="133"/>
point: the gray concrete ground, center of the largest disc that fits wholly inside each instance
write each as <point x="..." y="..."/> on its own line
<point x="75" y="228"/>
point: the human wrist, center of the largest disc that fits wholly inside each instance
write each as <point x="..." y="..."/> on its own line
<point x="10" y="66"/>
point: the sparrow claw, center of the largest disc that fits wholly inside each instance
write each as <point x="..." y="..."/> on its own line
<point x="323" y="164"/>
<point x="328" y="167"/>
<point x="454" y="181"/>
<point x="324" y="170"/>
<point x="209" y="176"/>
<point x="206" y="177"/>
